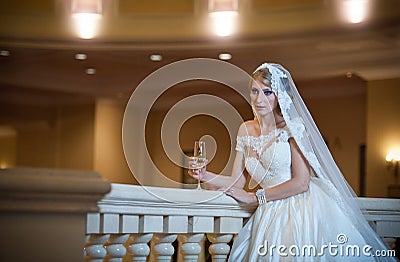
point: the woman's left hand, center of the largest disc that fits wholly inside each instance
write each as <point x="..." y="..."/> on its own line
<point x="241" y="195"/>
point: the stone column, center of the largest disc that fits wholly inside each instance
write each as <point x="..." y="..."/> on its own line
<point x="44" y="210"/>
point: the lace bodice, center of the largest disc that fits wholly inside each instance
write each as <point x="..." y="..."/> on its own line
<point x="267" y="157"/>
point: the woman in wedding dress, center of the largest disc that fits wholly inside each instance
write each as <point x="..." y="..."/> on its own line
<point x="307" y="211"/>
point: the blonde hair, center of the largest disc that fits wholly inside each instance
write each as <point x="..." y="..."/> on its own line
<point x="264" y="75"/>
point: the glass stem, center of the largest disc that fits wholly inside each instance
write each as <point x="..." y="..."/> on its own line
<point x="198" y="184"/>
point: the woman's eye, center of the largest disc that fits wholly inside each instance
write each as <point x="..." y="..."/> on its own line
<point x="268" y="92"/>
<point x="254" y="91"/>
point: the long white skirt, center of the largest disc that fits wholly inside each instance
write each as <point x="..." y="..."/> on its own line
<point x="305" y="227"/>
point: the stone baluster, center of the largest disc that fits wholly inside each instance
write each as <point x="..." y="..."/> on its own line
<point x="219" y="248"/>
<point x="138" y="246"/>
<point x="115" y="247"/>
<point x="189" y="246"/>
<point x="94" y="249"/>
<point x="162" y="248"/>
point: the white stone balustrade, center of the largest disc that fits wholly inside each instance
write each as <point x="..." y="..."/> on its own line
<point x="45" y="215"/>
<point x="155" y="217"/>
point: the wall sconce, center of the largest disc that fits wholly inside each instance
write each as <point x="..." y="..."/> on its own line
<point x="393" y="160"/>
<point x="3" y="165"/>
<point x="86" y="15"/>
<point x="223" y="14"/>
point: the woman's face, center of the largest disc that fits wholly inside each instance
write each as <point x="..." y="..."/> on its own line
<point x="264" y="101"/>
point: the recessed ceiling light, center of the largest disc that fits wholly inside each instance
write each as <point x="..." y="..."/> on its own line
<point x="349" y="74"/>
<point x="156" y="58"/>
<point x="4" y="53"/>
<point x="225" y="56"/>
<point x="80" y="56"/>
<point x="90" y="71"/>
<point x="355" y="11"/>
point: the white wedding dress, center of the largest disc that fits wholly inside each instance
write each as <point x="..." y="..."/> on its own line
<point x="309" y="226"/>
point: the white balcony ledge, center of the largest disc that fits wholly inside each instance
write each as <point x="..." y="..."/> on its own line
<point x="49" y="213"/>
<point x="148" y="214"/>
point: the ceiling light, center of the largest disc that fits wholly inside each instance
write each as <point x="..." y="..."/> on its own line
<point x="222" y="6"/>
<point x="225" y="56"/>
<point x="86" y="15"/>
<point x="223" y="15"/>
<point x="91" y="71"/>
<point x="80" y="56"/>
<point x="4" y="53"/>
<point x="156" y="58"/>
<point x="354" y="11"/>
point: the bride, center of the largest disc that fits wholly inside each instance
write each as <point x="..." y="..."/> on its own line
<point x="307" y="211"/>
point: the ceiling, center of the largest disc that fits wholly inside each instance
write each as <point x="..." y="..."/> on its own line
<point x="308" y="37"/>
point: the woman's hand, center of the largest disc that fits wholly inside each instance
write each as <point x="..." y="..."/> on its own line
<point x="196" y="173"/>
<point x="241" y="195"/>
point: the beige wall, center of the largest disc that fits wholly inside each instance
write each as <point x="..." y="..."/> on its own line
<point x="383" y="133"/>
<point x="109" y="159"/>
<point x="67" y="142"/>
<point x="75" y="137"/>
<point x="84" y="137"/>
<point x="37" y="146"/>
<point x="8" y="146"/>
<point x="341" y="121"/>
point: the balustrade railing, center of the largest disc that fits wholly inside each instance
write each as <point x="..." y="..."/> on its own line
<point x="45" y="215"/>
<point x="136" y="223"/>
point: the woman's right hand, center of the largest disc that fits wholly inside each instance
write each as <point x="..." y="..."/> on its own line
<point x="196" y="173"/>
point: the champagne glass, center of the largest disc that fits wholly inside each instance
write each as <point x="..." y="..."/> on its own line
<point x="199" y="157"/>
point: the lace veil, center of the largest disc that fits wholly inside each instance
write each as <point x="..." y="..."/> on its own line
<point x="306" y="134"/>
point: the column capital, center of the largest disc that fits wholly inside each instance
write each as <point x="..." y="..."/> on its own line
<point x="51" y="190"/>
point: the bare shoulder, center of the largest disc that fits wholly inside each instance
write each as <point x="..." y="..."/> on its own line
<point x="248" y="128"/>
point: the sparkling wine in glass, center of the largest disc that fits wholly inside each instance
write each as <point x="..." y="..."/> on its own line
<point x="199" y="156"/>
